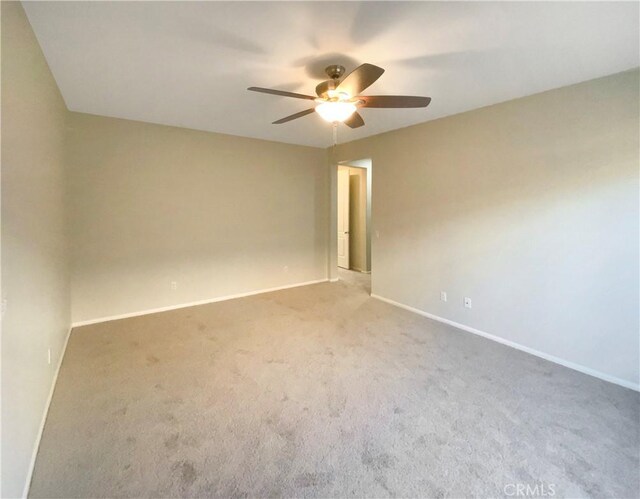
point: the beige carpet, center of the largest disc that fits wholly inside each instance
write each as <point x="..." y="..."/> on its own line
<point x="322" y="391"/>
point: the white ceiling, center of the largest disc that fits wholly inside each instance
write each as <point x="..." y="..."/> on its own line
<point x="189" y="63"/>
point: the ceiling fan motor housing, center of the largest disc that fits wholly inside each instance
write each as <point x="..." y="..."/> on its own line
<point x="335" y="72"/>
<point x="323" y="88"/>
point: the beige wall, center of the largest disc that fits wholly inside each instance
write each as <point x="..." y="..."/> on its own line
<point x="358" y="219"/>
<point x="34" y="257"/>
<point x="217" y="214"/>
<point x="530" y="208"/>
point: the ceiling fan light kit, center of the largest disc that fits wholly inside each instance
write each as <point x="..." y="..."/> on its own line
<point x="338" y="98"/>
<point x="335" y="112"/>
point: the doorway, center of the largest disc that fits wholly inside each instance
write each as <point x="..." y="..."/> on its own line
<point x="353" y="223"/>
<point x="344" y="212"/>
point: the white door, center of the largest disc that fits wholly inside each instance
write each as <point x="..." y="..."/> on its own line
<point x="343" y="219"/>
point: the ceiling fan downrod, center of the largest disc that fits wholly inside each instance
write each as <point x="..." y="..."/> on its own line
<point x="334" y="72"/>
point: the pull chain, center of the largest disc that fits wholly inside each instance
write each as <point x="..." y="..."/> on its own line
<point x="334" y="147"/>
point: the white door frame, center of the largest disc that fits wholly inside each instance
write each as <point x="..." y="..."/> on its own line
<point x="332" y="261"/>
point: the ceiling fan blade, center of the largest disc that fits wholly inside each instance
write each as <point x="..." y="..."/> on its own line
<point x="281" y="93"/>
<point x="360" y="78"/>
<point x="394" y="101"/>
<point x="354" y="121"/>
<point x="294" y="116"/>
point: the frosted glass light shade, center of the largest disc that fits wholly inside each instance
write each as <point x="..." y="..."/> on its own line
<point x="335" y="111"/>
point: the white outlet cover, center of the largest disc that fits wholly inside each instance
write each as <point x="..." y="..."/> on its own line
<point x="443" y="296"/>
<point x="467" y="302"/>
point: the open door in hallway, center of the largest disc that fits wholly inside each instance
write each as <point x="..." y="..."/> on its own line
<point x="343" y="218"/>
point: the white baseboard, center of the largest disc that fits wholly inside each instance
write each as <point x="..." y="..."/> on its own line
<point x="335" y="279"/>
<point x="357" y="269"/>
<point x="512" y="344"/>
<point x="32" y="464"/>
<point x="551" y="358"/>
<point x="192" y="304"/>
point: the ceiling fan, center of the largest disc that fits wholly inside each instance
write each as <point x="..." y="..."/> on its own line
<point x="339" y="98"/>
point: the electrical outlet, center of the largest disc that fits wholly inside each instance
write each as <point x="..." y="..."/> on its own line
<point x="4" y="307"/>
<point x="49" y="356"/>
<point x="286" y="269"/>
<point x="467" y="302"/>
<point x="377" y="234"/>
<point x="174" y="285"/>
<point x="443" y="296"/>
